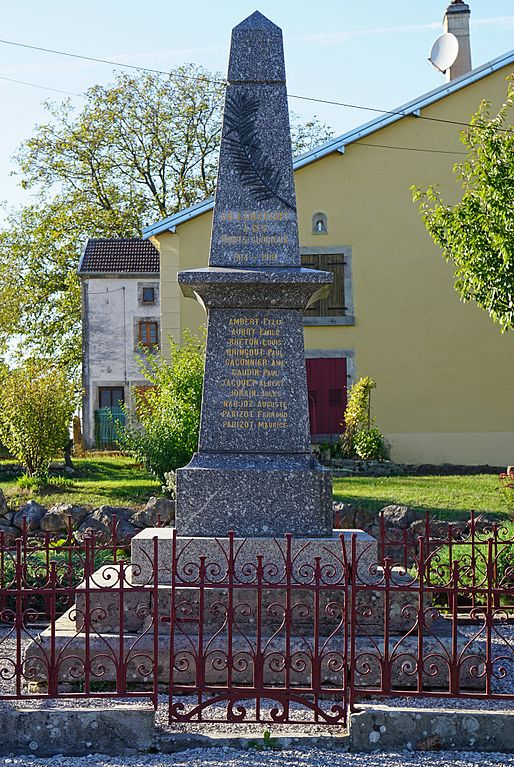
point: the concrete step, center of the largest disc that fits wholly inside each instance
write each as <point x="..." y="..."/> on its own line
<point x="137" y="655"/>
<point x="104" y="597"/>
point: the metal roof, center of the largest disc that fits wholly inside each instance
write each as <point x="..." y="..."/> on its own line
<point x="338" y="144"/>
<point x="119" y="256"/>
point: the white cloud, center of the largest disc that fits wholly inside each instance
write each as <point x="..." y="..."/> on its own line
<point x="328" y="38"/>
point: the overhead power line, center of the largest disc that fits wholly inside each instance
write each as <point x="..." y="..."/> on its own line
<point x="399" y="113"/>
<point x="35" y="85"/>
<point x="361" y="143"/>
<point x="108" y="61"/>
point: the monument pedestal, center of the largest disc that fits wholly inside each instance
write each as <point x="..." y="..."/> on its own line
<point x="254" y="495"/>
<point x="254" y="472"/>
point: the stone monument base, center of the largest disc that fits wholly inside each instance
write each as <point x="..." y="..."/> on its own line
<point x="304" y="551"/>
<point x="233" y="492"/>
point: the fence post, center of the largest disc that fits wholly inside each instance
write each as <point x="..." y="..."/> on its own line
<point x="88" y="570"/>
<point x="352" y="579"/>
<point x="489" y="615"/>
<point x="19" y="613"/>
<point x="122" y="665"/>
<point x="230" y="606"/>
<point x="53" y="676"/>
<point x="155" y="620"/>
<point x="174" y="578"/>
<point x="386" y="663"/>
<point x="421" y="610"/>
<point x="453" y="671"/>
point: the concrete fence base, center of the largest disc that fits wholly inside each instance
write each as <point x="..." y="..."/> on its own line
<point x="130" y="729"/>
<point x="121" y="730"/>
<point x="379" y="728"/>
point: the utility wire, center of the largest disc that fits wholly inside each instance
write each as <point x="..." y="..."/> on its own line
<point x="108" y="61"/>
<point x="361" y="143"/>
<point x="35" y="85"/>
<point x="410" y="148"/>
<point x="224" y="83"/>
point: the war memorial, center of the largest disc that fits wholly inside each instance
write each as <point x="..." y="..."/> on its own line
<point x="253" y="607"/>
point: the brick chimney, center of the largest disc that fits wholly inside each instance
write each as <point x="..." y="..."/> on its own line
<point x="456" y="20"/>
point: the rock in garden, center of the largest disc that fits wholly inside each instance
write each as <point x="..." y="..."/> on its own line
<point x="4" y="508"/>
<point x="99" y="524"/>
<point x="364" y="518"/>
<point x="9" y="533"/>
<point x="399" y="516"/>
<point x="56" y="518"/>
<point x="344" y="515"/>
<point x="155" y="508"/>
<point x="33" y="512"/>
<point x="122" y="512"/>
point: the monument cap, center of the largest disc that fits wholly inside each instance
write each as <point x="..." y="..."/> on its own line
<point x="256" y="54"/>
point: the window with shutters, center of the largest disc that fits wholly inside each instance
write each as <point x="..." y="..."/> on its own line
<point x="337" y="307"/>
<point x="148" y="333"/>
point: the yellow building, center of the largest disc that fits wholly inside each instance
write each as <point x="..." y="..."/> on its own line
<point x="444" y="372"/>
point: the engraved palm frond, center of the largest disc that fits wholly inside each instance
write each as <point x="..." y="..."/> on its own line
<point x="255" y="169"/>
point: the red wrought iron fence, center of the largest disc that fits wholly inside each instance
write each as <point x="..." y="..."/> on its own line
<point x="258" y="631"/>
<point x="68" y="610"/>
<point x="435" y="616"/>
<point x="268" y="631"/>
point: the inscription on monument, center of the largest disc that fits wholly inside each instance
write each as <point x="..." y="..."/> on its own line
<point x="250" y="232"/>
<point x="252" y="380"/>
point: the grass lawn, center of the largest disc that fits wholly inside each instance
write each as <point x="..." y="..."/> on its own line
<point x="114" y="480"/>
<point x="119" y="481"/>
<point x="449" y="497"/>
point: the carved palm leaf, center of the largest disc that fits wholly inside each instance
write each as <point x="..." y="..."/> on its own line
<point x="255" y="169"/>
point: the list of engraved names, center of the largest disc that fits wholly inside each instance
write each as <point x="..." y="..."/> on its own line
<point x="253" y="395"/>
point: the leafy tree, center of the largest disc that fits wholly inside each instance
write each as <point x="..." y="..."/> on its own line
<point x="36" y="406"/>
<point x="139" y="150"/>
<point x="306" y="135"/>
<point x="164" y="434"/>
<point x="477" y="234"/>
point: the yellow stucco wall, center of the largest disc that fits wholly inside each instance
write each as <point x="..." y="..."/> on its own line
<point x="443" y="369"/>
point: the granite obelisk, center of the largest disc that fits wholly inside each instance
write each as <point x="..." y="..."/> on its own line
<point x="254" y="472"/>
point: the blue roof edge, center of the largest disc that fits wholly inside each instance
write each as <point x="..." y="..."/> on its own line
<point x="339" y="143"/>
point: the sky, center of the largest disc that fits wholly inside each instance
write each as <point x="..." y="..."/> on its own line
<point x="371" y="53"/>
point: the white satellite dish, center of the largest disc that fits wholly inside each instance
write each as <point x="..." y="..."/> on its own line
<point x="444" y="52"/>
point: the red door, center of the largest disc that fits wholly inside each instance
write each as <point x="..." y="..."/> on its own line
<point x="326" y="385"/>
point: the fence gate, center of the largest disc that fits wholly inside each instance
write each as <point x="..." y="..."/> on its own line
<point x="258" y="632"/>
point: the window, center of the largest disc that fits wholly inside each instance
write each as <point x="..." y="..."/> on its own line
<point x="142" y="396"/>
<point x="148" y="295"/>
<point x="337" y="307"/>
<point x="333" y="305"/>
<point x="148" y="332"/>
<point x="110" y="396"/>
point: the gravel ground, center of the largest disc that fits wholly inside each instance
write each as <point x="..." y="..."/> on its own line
<point x="310" y="757"/>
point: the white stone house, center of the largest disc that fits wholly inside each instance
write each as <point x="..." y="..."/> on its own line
<point x="120" y="313"/>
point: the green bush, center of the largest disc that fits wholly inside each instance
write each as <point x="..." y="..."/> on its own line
<point x="164" y="432"/>
<point x="36" y="407"/>
<point x="361" y="438"/>
<point x="369" y="444"/>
